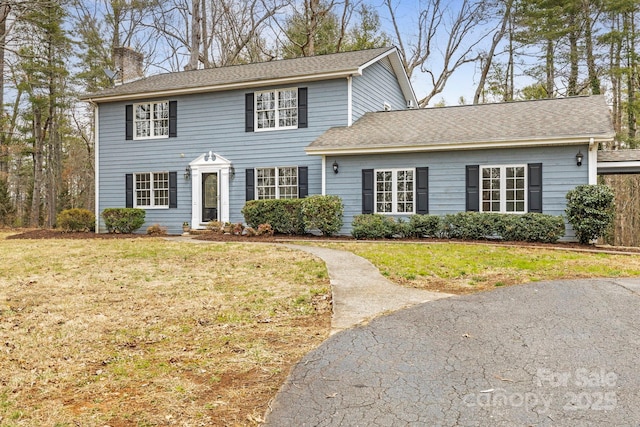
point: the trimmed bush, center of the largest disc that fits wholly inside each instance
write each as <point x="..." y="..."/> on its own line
<point x="123" y="220"/>
<point x="76" y="220"/>
<point x="323" y="213"/>
<point x="264" y="230"/>
<point x="424" y="226"/>
<point x="471" y="226"/>
<point x="590" y="210"/>
<point x="531" y="227"/>
<point x="284" y="215"/>
<point x="373" y="226"/>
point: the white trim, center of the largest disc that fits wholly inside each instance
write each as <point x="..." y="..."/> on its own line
<point x="96" y="166"/>
<point x="349" y="101"/>
<point x="394" y="190"/>
<point x="151" y="120"/>
<point x="276" y="110"/>
<point x="324" y="175"/>
<point x="593" y="162"/>
<point x="542" y="142"/>
<point x="201" y="165"/>
<point x="152" y="190"/>
<point x="503" y="187"/>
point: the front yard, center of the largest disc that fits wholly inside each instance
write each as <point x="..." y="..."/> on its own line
<point x="147" y="332"/>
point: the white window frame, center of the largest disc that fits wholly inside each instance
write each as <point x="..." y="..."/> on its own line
<point x="276" y="109"/>
<point x="152" y="106"/>
<point x="278" y="174"/>
<point x="394" y="191"/>
<point x="503" y="188"/>
<point x="152" y="190"/>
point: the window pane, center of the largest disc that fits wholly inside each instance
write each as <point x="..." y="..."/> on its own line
<point x="404" y="190"/>
<point x="288" y="182"/>
<point x="143" y="189"/>
<point x="161" y="189"/>
<point x="266" y="183"/>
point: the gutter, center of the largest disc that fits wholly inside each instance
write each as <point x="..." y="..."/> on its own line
<point x="417" y="148"/>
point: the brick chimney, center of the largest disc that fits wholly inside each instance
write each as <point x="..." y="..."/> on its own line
<point x="128" y="63"/>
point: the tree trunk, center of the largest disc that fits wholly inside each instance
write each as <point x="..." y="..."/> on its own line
<point x="497" y="37"/>
<point x="4" y="151"/>
<point x="34" y="218"/>
<point x="594" y="81"/>
<point x="631" y="74"/>
<point x="549" y="68"/>
<point x="195" y="36"/>
<point x="572" y="84"/>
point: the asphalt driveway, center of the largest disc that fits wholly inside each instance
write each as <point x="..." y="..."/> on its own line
<point x="562" y="353"/>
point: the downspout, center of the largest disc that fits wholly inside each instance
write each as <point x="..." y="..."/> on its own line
<point x="593" y="162"/>
<point x="96" y="163"/>
<point x="349" y="100"/>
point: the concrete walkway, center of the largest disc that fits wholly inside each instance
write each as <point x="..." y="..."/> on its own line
<point x="359" y="291"/>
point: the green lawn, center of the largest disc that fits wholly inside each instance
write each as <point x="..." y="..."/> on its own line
<point x="466" y="268"/>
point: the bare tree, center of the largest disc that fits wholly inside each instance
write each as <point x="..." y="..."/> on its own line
<point x="452" y="25"/>
<point x="495" y="41"/>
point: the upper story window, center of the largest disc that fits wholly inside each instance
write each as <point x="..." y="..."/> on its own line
<point x="152" y="190"/>
<point x="504" y="189"/>
<point x="151" y="120"/>
<point x="277" y="109"/>
<point x="277" y="183"/>
<point x="394" y="191"/>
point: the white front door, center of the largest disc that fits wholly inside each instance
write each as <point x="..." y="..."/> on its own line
<point x="210" y="174"/>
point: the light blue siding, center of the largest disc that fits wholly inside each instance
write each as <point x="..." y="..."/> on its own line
<point x="447" y="176"/>
<point x="377" y="85"/>
<point x="212" y="122"/>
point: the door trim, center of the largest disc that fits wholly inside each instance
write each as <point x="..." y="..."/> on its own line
<point x="209" y="163"/>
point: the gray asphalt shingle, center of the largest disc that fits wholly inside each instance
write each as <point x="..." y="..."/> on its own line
<point x="211" y="78"/>
<point x="551" y="119"/>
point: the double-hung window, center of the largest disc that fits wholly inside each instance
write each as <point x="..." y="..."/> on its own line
<point x="395" y="191"/>
<point x="151" y="120"/>
<point x="152" y="190"/>
<point x="277" y="183"/>
<point x="276" y="109"/>
<point x="504" y="189"/>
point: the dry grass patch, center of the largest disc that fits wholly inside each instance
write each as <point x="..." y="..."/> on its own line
<point x="145" y="332"/>
<point x="460" y="268"/>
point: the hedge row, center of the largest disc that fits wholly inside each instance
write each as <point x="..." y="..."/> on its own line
<point x="531" y="227"/>
<point x="295" y="216"/>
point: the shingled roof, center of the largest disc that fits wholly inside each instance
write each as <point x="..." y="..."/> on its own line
<point x="250" y="75"/>
<point x="523" y="123"/>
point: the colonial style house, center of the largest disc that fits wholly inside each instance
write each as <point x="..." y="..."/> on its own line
<point x="194" y="146"/>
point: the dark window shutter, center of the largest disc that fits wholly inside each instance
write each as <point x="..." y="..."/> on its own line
<point x="302" y="107"/>
<point x="250" y="193"/>
<point x="422" y="191"/>
<point x="173" y="189"/>
<point x="173" y="119"/>
<point x="303" y="182"/>
<point x="248" y="112"/>
<point x="128" y="117"/>
<point x="473" y="188"/>
<point x="367" y="191"/>
<point x="535" y="187"/>
<point x="129" y="190"/>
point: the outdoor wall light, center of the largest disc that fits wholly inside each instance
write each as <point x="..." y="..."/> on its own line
<point x="335" y="167"/>
<point x="232" y="171"/>
<point x="579" y="158"/>
<point x="187" y="173"/>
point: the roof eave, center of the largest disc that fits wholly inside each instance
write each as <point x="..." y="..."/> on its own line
<point x="476" y="145"/>
<point x="217" y="88"/>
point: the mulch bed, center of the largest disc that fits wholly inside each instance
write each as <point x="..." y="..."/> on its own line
<point x="217" y="237"/>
